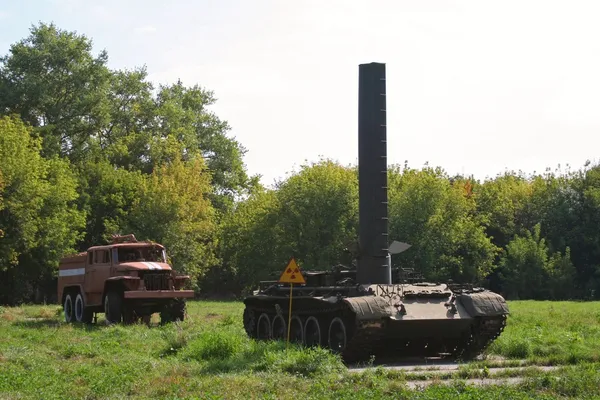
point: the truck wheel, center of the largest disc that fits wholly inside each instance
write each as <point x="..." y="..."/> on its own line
<point x="113" y="308"/>
<point x="68" y="308"/>
<point x="174" y="311"/>
<point x="82" y="313"/>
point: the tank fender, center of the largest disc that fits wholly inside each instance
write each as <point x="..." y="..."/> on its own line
<point x="483" y="304"/>
<point x="367" y="308"/>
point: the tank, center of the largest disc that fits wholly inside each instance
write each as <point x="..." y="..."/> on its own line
<point x="369" y="308"/>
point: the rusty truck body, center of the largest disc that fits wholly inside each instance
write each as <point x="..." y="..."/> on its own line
<point x="126" y="280"/>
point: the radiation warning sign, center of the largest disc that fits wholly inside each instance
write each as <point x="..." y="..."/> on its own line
<point x="291" y="274"/>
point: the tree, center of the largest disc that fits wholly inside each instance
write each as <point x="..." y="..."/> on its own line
<point x="182" y="117"/>
<point x="583" y="236"/>
<point x="529" y="271"/>
<point x="250" y="244"/>
<point x="89" y="113"/>
<point x="438" y="219"/>
<point x="174" y="209"/>
<point x="311" y="215"/>
<point x="52" y="80"/>
<point x="318" y="213"/>
<point x="108" y="195"/>
<point x="39" y="221"/>
<point x="503" y="202"/>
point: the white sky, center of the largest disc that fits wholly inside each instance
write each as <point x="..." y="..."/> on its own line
<point x="473" y="86"/>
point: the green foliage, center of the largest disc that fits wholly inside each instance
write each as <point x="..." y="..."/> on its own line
<point x="529" y="271"/>
<point x="438" y="218"/>
<point x="52" y="80"/>
<point x="503" y="202"/>
<point x="39" y="222"/>
<point x="312" y="215"/>
<point x="86" y="111"/>
<point x="249" y="243"/>
<point x="318" y="213"/>
<point x="174" y="209"/>
<point x="109" y="195"/>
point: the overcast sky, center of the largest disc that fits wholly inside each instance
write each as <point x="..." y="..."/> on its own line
<point x="475" y="87"/>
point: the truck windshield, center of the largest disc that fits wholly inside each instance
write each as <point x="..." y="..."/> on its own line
<point x="143" y="253"/>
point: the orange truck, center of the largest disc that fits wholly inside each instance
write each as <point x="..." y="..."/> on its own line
<point x="126" y="280"/>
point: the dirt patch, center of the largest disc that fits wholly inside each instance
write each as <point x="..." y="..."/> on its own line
<point x="7" y="317"/>
<point x="212" y="316"/>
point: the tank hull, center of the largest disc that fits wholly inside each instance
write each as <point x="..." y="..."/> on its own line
<point x="382" y="320"/>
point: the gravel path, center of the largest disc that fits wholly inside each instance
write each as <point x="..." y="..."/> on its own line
<point x="422" y="373"/>
<point x="474" y="382"/>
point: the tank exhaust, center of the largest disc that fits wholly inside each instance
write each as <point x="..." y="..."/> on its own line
<point x="374" y="265"/>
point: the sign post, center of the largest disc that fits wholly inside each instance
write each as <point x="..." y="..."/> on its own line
<point x="291" y="275"/>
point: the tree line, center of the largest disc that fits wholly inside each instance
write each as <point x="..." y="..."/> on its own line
<point x="88" y="151"/>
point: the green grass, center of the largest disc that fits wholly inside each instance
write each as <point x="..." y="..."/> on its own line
<point x="551" y="333"/>
<point x="209" y="356"/>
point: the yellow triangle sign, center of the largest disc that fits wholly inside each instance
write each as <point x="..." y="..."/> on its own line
<point x="292" y="274"/>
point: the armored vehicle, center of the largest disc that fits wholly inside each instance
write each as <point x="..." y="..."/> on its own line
<point x="374" y="309"/>
<point x="127" y="280"/>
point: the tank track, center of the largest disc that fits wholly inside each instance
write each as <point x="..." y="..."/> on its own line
<point x="362" y="344"/>
<point x="483" y="332"/>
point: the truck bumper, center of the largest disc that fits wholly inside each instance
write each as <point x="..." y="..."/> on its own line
<point x="158" y="294"/>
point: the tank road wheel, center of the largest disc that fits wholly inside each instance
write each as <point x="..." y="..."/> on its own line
<point x="279" y="328"/>
<point x="68" y="308"/>
<point x="296" y="330"/>
<point x="337" y="335"/>
<point x="113" y="307"/>
<point x="82" y="314"/>
<point x="250" y="322"/>
<point x="312" y="332"/>
<point x="263" y="327"/>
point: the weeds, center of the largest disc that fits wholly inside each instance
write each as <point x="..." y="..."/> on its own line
<point x="213" y="345"/>
<point x="551" y="333"/>
<point x="176" y="339"/>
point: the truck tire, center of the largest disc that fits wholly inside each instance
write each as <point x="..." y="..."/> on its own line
<point x="174" y="311"/>
<point x="68" y="308"/>
<point x="82" y="313"/>
<point x="113" y="307"/>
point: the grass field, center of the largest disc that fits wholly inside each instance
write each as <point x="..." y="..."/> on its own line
<point x="209" y="356"/>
